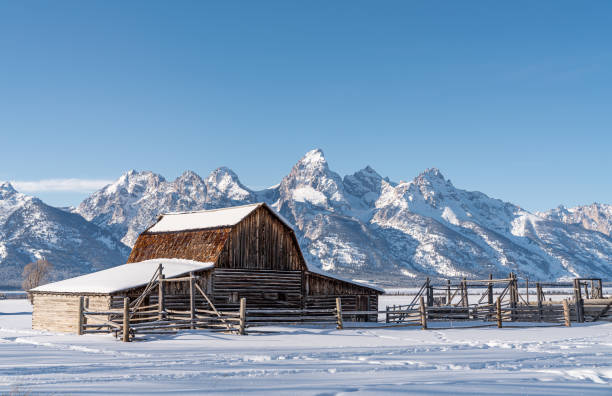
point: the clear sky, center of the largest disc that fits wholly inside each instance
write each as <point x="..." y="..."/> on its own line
<point x="510" y="98"/>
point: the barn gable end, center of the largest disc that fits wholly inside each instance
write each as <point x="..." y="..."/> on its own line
<point x="261" y="241"/>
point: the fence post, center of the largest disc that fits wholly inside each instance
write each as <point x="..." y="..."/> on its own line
<point x="448" y="292"/>
<point x="387" y="314"/>
<point x="499" y="313"/>
<point x="160" y="296"/>
<point x="539" y="295"/>
<point x="466" y="302"/>
<point x="423" y="312"/>
<point x="599" y="289"/>
<point x="339" y="323"/>
<point x="429" y="290"/>
<point x="512" y="296"/>
<point x="578" y="298"/>
<point x="242" y="316"/>
<point x="80" y="319"/>
<point x="566" y="313"/>
<point x="126" y="319"/>
<point x="192" y="300"/>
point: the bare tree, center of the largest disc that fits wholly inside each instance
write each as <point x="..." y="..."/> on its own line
<point x="34" y="274"/>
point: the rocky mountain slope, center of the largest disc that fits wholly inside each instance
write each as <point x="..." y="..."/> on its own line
<point x="30" y="230"/>
<point x="364" y="225"/>
<point x="596" y="217"/>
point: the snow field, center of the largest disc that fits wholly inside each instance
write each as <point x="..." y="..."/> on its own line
<point x="308" y="361"/>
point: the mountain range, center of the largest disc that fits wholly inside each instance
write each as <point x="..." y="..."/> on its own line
<point x="363" y="225"/>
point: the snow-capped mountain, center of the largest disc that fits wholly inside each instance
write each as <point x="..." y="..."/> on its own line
<point x="367" y="226"/>
<point x="596" y="217"/>
<point x="30" y="230"/>
<point x="360" y="225"/>
<point x="132" y="203"/>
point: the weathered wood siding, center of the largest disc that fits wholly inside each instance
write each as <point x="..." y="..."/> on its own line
<point x="261" y="241"/>
<point x="59" y="312"/>
<point x="262" y="289"/>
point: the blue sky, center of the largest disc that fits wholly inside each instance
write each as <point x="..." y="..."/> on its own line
<point x="511" y="99"/>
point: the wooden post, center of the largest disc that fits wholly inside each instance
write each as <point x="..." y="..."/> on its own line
<point x="586" y="290"/>
<point x="527" y="289"/>
<point x="499" y="313"/>
<point x="448" y="292"/>
<point x="512" y="296"/>
<point x="423" y="312"/>
<point x="566" y="313"/>
<point x="242" y="316"/>
<point x="578" y="299"/>
<point x="126" y="319"/>
<point x="192" y="300"/>
<point x="490" y="300"/>
<point x="387" y="314"/>
<point x="81" y="317"/>
<point x="539" y="296"/>
<point x="428" y="292"/>
<point x="464" y="296"/>
<point x="599" y="289"/>
<point x="339" y="323"/>
<point x="160" y="296"/>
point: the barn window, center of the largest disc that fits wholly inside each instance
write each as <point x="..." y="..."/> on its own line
<point x="282" y="296"/>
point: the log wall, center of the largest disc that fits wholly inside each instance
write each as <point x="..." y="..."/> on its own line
<point x="59" y="312"/>
<point x="263" y="289"/>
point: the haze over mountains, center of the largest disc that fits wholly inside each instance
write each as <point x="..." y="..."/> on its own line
<point x="361" y="225"/>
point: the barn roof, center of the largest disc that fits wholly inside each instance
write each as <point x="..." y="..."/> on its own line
<point x="123" y="277"/>
<point x="200" y="245"/>
<point x="203" y="219"/>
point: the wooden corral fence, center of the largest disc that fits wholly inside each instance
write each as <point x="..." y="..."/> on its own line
<point x="451" y="302"/>
<point x="446" y="302"/>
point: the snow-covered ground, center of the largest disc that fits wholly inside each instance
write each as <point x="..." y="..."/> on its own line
<point x="553" y="360"/>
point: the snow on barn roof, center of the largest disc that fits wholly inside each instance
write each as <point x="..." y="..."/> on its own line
<point x="224" y="217"/>
<point x="123" y="277"/>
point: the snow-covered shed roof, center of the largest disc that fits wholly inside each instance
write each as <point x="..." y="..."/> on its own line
<point x="213" y="218"/>
<point x="123" y="277"/>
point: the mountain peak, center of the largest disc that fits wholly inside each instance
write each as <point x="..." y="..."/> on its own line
<point x="432" y="172"/>
<point x="221" y="172"/>
<point x="6" y="188"/>
<point x="432" y="177"/>
<point x="314" y="158"/>
<point x="189" y="175"/>
<point x="223" y="183"/>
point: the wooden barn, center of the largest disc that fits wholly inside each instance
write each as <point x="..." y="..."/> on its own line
<point x="238" y="252"/>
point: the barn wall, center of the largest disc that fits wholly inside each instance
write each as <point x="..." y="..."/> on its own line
<point x="60" y="312"/>
<point x="261" y="241"/>
<point x="262" y="289"/>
